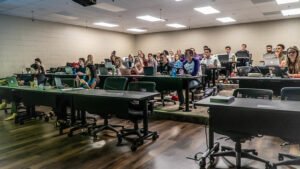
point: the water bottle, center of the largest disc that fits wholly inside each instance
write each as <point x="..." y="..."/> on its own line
<point x="173" y="72"/>
<point x="113" y="70"/>
<point x="35" y="82"/>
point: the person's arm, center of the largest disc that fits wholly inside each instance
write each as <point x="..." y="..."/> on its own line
<point x="93" y="85"/>
<point x="294" y="75"/>
<point x="217" y="61"/>
<point x="196" y="67"/>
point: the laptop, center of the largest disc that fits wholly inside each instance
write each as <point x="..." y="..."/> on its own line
<point x="58" y="83"/>
<point x="12" y="81"/>
<point x="243" y="70"/>
<point x="103" y="71"/>
<point x="223" y="58"/>
<point x="271" y="62"/>
<point x="68" y="70"/>
<point x="149" y="71"/>
<point x="108" y="65"/>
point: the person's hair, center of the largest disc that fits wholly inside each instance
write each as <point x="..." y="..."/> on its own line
<point x="166" y="52"/>
<point x="208" y="49"/>
<point x="281" y="45"/>
<point x="82" y="59"/>
<point x="269" y="46"/>
<point x="205" y="47"/>
<point x="38" y="60"/>
<point x="228" y="47"/>
<point x="244" y="45"/>
<point x="120" y="61"/>
<point x="150" y="54"/>
<point x="293" y="67"/>
<point x="189" y="52"/>
<point x="92" y="70"/>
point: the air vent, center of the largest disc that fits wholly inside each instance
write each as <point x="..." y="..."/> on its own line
<point x="261" y="1"/>
<point x="272" y="13"/>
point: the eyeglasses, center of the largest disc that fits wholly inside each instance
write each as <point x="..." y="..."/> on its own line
<point x="291" y="52"/>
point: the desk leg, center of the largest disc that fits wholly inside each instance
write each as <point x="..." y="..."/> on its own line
<point x="145" y="117"/>
<point x="214" y="77"/>
<point x="187" y="99"/>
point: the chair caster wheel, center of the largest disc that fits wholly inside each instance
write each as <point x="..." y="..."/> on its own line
<point x="120" y="139"/>
<point x="280" y="157"/>
<point x="202" y="163"/>
<point x="46" y="119"/>
<point x="155" y="136"/>
<point x="133" y="147"/>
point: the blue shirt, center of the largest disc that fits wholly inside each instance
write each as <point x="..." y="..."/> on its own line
<point x="89" y="81"/>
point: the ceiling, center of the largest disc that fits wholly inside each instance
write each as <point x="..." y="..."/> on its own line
<point x="243" y="11"/>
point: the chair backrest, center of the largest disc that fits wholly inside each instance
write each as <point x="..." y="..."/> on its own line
<point x="253" y="93"/>
<point x="115" y="83"/>
<point x="290" y="93"/>
<point x="142" y="86"/>
<point x="243" y="70"/>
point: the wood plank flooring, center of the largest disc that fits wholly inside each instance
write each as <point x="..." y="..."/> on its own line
<point x="37" y="145"/>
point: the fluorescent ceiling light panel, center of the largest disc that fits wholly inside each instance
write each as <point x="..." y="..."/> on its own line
<point x="176" y="25"/>
<point x="290" y="12"/>
<point x="137" y="30"/>
<point x="106" y="24"/>
<point x="178" y="0"/>
<point x="149" y="18"/>
<point x="109" y="7"/>
<point x="279" y="2"/>
<point x="226" y="19"/>
<point x="207" y="10"/>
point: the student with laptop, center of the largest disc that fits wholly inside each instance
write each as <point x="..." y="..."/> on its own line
<point x="89" y="81"/>
<point x="293" y="62"/>
<point x="138" y="68"/>
<point x="164" y="67"/>
<point x="152" y="62"/>
<point x="209" y="59"/>
<point x="120" y="68"/>
<point x="39" y="71"/>
<point x="280" y="55"/>
<point x="81" y="69"/>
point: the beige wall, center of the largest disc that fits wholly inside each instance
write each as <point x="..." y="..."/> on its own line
<point x="255" y="35"/>
<point x="21" y="40"/>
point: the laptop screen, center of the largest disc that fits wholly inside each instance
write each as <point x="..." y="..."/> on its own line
<point x="58" y="82"/>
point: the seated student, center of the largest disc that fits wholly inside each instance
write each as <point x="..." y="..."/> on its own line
<point x="243" y="50"/>
<point x="178" y="64"/>
<point x="89" y="81"/>
<point x="191" y="66"/>
<point x="280" y="55"/>
<point x="81" y="69"/>
<point x="210" y="60"/>
<point x="152" y="62"/>
<point x="113" y="57"/>
<point x="89" y="60"/>
<point x="138" y="68"/>
<point x="119" y="65"/>
<point x="39" y="71"/>
<point x="129" y="61"/>
<point x="293" y="62"/>
<point x="243" y="56"/>
<point x="269" y="49"/>
<point x="165" y="67"/>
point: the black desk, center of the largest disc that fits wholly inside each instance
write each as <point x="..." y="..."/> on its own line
<point x="163" y="82"/>
<point x="254" y="116"/>
<point x="213" y="69"/>
<point x="111" y="101"/>
<point x="274" y="83"/>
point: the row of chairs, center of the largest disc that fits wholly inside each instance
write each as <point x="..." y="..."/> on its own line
<point x="288" y="93"/>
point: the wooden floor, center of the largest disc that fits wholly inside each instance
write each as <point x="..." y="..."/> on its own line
<point x="38" y="145"/>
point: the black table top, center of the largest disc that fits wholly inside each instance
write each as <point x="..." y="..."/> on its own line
<point x="261" y="104"/>
<point x="263" y="78"/>
<point x="127" y="95"/>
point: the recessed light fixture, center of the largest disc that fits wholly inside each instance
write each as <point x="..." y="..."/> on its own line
<point x="150" y="18"/>
<point x="279" y="2"/>
<point x="226" y="19"/>
<point x="176" y="25"/>
<point x="290" y="12"/>
<point x="106" y="24"/>
<point x="207" y="10"/>
<point x="136" y="30"/>
<point x="178" y="0"/>
<point x="109" y="7"/>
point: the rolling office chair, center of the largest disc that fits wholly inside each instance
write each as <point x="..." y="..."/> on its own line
<point x="111" y="83"/>
<point x="293" y="94"/>
<point x="240" y="138"/>
<point x="135" y="114"/>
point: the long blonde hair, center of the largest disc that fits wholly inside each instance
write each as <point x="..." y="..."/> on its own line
<point x="293" y="67"/>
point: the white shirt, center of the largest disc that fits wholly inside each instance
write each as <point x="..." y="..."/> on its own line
<point x="212" y="60"/>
